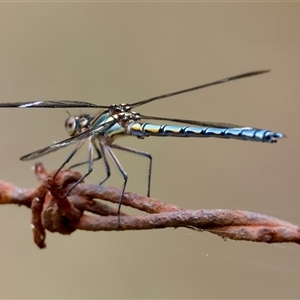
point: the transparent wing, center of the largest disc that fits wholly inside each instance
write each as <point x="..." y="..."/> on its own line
<point x="193" y="122"/>
<point x="139" y="103"/>
<point x="81" y="136"/>
<point x="51" y="104"/>
<point x="78" y="104"/>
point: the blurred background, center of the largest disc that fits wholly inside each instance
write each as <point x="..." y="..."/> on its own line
<point x="124" y="52"/>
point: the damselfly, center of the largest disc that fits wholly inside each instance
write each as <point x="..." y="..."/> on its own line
<point x="118" y="120"/>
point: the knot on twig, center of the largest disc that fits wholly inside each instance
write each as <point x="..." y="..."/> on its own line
<point x="51" y="209"/>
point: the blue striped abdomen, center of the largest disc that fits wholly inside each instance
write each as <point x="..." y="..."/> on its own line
<point x="241" y="133"/>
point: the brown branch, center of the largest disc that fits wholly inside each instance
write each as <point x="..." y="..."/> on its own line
<point x="53" y="211"/>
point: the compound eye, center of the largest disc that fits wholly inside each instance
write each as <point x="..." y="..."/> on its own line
<point x="71" y="125"/>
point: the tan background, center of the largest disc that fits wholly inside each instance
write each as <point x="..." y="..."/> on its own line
<point x="124" y="52"/>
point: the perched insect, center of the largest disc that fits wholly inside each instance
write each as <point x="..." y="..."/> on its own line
<point x="118" y="120"/>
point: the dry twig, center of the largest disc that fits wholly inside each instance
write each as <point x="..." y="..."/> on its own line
<point x="53" y="211"/>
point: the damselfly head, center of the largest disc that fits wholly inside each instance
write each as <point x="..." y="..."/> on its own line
<point x="76" y="124"/>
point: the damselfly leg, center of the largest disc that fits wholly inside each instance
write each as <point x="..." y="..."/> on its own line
<point x="141" y="153"/>
<point x="98" y="157"/>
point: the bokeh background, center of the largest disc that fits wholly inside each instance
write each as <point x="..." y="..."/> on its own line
<point x="124" y="52"/>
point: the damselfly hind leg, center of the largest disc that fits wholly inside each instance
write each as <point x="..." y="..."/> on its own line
<point x="141" y="153"/>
